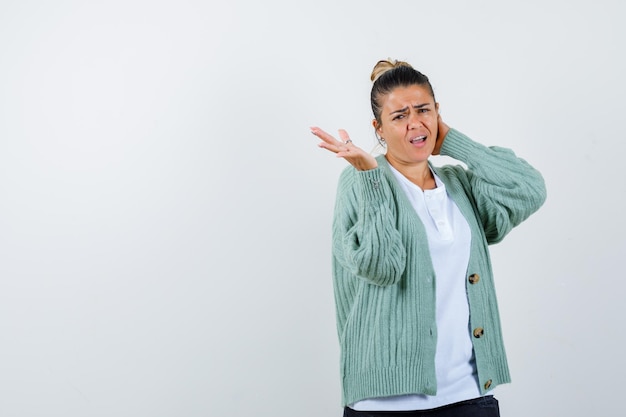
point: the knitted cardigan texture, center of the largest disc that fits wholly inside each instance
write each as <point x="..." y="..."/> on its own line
<point x="383" y="277"/>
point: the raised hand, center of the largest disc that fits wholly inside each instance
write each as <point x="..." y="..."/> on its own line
<point x="442" y="131"/>
<point x="345" y="149"/>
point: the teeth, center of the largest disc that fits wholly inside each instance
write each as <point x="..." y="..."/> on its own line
<point x="418" y="139"/>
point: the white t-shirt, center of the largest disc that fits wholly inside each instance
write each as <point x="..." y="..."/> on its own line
<point x="449" y="240"/>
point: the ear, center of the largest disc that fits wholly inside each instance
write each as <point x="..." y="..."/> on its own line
<point x="437" y="107"/>
<point x="376" y="125"/>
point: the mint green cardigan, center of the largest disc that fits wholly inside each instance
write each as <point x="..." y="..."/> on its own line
<point x="383" y="277"/>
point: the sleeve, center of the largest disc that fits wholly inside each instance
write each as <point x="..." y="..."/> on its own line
<point x="505" y="188"/>
<point x="366" y="242"/>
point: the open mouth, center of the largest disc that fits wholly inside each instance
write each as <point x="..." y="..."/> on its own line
<point x="418" y="139"/>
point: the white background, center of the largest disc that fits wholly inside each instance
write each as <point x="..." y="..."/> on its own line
<point x="165" y="213"/>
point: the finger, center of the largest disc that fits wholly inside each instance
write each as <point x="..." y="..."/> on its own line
<point x="340" y="150"/>
<point x="326" y="137"/>
<point x="329" y="147"/>
<point x="345" y="138"/>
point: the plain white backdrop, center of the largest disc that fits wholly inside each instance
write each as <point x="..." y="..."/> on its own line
<point x="165" y="213"/>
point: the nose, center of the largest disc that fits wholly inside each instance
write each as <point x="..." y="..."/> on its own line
<point x="414" y="121"/>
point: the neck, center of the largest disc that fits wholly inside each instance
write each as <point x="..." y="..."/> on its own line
<point x="418" y="173"/>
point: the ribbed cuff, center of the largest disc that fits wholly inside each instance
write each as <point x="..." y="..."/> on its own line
<point x="371" y="185"/>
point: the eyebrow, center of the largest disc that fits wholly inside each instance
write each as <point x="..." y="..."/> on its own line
<point x="404" y="109"/>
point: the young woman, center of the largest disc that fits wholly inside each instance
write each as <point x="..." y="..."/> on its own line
<point x="416" y="307"/>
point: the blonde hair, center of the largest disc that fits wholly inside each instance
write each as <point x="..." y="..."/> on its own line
<point x="385" y="65"/>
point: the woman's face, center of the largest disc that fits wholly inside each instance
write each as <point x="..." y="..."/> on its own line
<point x="409" y="124"/>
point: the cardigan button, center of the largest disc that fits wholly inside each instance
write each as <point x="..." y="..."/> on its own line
<point x="488" y="384"/>
<point x="478" y="332"/>
<point x="474" y="278"/>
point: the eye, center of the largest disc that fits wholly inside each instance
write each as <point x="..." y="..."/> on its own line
<point x="398" y="117"/>
<point x="423" y="110"/>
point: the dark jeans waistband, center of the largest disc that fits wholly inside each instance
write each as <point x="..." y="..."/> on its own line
<point x="486" y="406"/>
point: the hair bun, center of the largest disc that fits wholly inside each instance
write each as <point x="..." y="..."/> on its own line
<point x="385" y="65"/>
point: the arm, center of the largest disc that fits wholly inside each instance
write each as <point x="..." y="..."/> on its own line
<point x="505" y="188"/>
<point x="365" y="240"/>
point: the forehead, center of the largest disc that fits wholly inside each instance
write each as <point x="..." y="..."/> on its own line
<point x="407" y="96"/>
